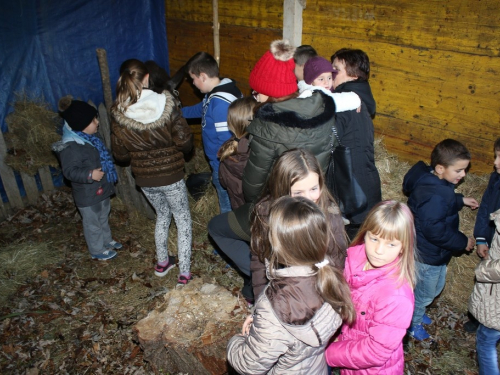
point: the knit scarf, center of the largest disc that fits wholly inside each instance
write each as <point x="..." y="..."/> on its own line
<point x="106" y="160"/>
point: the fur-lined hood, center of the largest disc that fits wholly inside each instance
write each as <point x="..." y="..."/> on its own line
<point x="302" y="113"/>
<point x="122" y="119"/>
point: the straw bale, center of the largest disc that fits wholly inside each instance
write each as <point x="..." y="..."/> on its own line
<point x="32" y="130"/>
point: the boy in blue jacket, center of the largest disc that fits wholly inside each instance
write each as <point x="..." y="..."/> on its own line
<point x="485" y="228"/>
<point x="435" y="206"/>
<point x="219" y="93"/>
<point x="87" y="164"/>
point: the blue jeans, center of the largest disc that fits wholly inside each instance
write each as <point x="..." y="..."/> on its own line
<point x="224" y="202"/>
<point x="486" y="346"/>
<point x="430" y="283"/>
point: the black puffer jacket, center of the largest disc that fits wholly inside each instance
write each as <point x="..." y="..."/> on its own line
<point x="356" y="131"/>
<point x="278" y="127"/>
<point x="155" y="149"/>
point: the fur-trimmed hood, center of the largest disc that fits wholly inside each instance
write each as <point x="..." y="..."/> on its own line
<point x="303" y="113"/>
<point x="153" y="99"/>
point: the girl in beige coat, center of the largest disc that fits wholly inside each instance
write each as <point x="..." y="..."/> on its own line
<point x="484" y="302"/>
<point x="304" y="303"/>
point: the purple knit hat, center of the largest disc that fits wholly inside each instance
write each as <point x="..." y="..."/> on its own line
<point x="316" y="66"/>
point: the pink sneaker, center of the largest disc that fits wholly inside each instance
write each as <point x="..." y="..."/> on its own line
<point x="183" y="280"/>
<point x="163" y="270"/>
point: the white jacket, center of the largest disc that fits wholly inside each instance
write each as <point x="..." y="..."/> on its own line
<point x="485" y="298"/>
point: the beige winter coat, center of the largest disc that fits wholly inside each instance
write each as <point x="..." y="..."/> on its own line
<point x="485" y="298"/>
<point x="276" y="347"/>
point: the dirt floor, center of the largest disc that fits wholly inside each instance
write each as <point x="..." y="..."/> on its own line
<point x="63" y="313"/>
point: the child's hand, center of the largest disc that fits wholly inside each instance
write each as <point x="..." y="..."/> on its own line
<point x="471" y="202"/>
<point x="470" y="244"/>
<point x="358" y="110"/>
<point x="246" y="325"/>
<point x="482" y="251"/>
<point x="97" y="174"/>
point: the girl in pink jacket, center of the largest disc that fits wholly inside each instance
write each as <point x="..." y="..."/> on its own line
<point x="380" y="270"/>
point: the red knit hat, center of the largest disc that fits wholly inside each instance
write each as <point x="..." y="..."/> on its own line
<point x="273" y="75"/>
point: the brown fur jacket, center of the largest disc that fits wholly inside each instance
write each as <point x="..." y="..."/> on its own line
<point x="154" y="149"/>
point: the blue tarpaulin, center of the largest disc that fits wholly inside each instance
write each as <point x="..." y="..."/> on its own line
<point x="48" y="47"/>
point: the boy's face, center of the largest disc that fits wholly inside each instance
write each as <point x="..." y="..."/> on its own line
<point x="299" y="72"/>
<point x="324" y="80"/>
<point x="497" y="161"/>
<point x="454" y="172"/>
<point x="200" y="82"/>
<point x="92" y="127"/>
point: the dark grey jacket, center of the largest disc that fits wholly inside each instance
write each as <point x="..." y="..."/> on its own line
<point x="78" y="158"/>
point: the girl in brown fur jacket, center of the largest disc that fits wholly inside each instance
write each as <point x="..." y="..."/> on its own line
<point x="150" y="133"/>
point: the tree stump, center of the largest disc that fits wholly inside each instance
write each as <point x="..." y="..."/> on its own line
<point x="189" y="332"/>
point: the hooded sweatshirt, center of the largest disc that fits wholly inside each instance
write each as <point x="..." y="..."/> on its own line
<point x="213" y="113"/>
<point x="435" y="207"/>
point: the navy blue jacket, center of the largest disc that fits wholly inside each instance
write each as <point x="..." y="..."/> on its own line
<point x="485" y="228"/>
<point x="435" y="206"/>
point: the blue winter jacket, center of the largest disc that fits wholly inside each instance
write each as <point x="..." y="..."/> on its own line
<point x="485" y="228"/>
<point x="435" y="206"/>
<point x="213" y="113"/>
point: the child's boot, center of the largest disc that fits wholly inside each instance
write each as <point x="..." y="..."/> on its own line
<point x="418" y="332"/>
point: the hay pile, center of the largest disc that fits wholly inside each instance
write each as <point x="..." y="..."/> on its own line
<point x="460" y="278"/>
<point x="32" y="129"/>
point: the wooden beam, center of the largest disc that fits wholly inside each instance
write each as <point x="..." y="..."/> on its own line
<point x="216" y="27"/>
<point x="292" y="20"/>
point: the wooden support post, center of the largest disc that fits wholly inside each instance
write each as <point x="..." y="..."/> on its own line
<point x="292" y="21"/>
<point x="216" y="31"/>
<point x="106" y="85"/>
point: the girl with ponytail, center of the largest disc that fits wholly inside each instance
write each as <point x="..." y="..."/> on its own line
<point x="304" y="303"/>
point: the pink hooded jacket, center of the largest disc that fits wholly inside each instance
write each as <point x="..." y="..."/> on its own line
<point x="373" y="343"/>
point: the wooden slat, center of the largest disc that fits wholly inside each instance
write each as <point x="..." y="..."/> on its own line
<point x="9" y="179"/>
<point x="46" y="179"/>
<point x="104" y="125"/>
<point x="30" y="188"/>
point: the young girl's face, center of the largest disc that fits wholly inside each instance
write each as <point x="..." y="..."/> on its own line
<point x="380" y="251"/>
<point x="324" y="80"/>
<point x="307" y="187"/>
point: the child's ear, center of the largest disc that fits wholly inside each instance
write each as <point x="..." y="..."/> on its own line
<point x="203" y="77"/>
<point x="439" y="169"/>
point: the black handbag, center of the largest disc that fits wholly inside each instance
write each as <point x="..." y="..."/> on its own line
<point x="341" y="182"/>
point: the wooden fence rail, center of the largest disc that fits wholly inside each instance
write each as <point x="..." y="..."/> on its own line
<point x="126" y="189"/>
<point x="15" y="200"/>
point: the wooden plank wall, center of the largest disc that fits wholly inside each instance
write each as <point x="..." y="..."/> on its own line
<point x="435" y="64"/>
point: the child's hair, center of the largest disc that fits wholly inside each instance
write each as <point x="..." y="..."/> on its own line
<point x="239" y="116"/>
<point x="357" y="63"/>
<point x="298" y="234"/>
<point x="447" y="152"/>
<point x="203" y="62"/>
<point x="496" y="146"/>
<point x="303" y="53"/>
<point x="292" y="166"/>
<point x="393" y="220"/>
<point x="129" y="85"/>
<point x="158" y="77"/>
